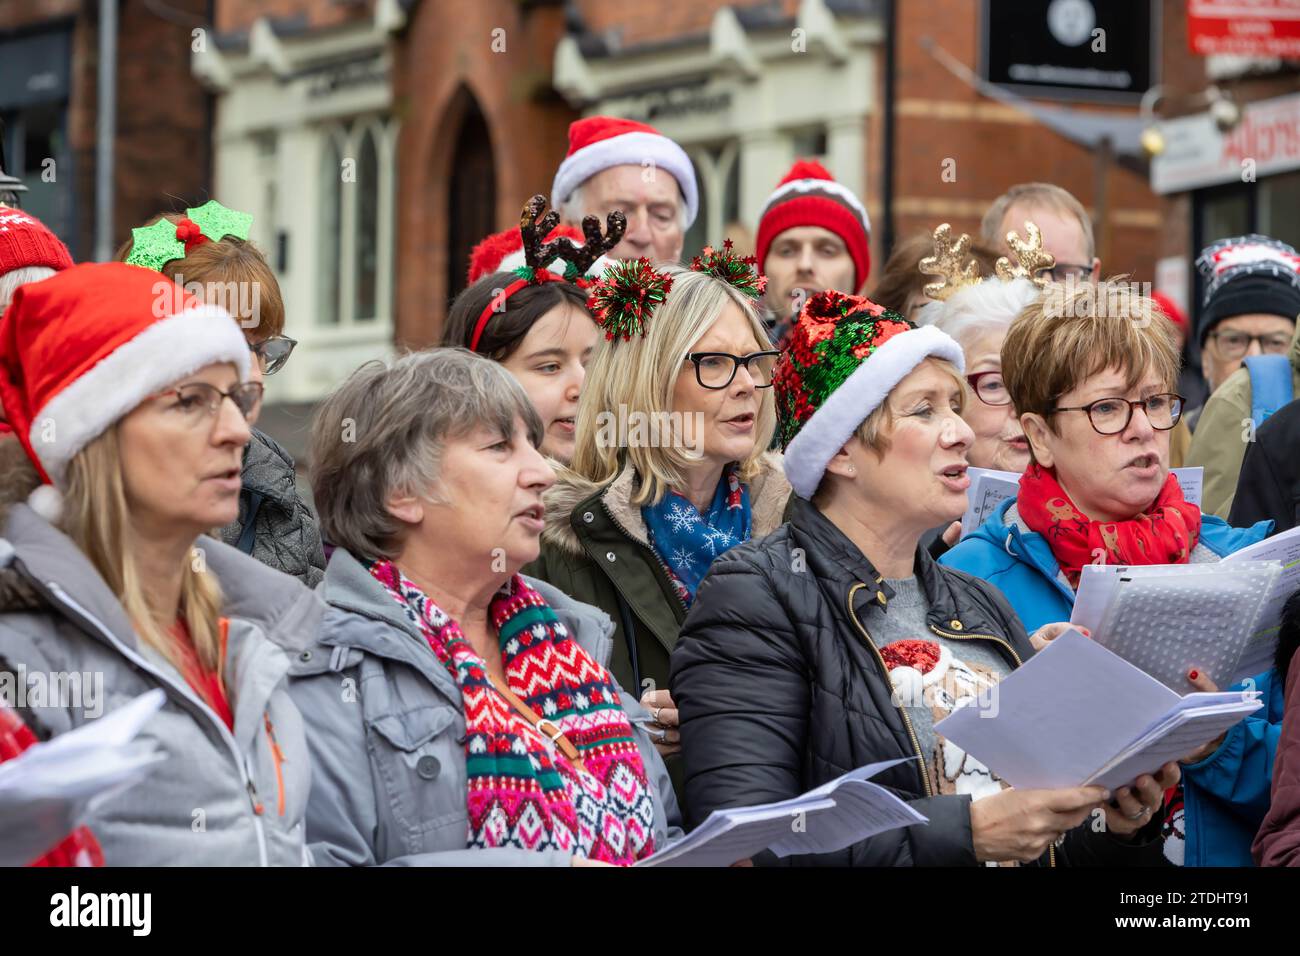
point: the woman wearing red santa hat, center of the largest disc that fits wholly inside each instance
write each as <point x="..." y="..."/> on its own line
<point x="130" y="415"/>
<point x="527" y="309"/>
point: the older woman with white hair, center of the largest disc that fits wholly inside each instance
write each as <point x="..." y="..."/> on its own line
<point x="457" y="712"/>
<point x="978" y="316"/>
<point x="671" y="466"/>
<point x="977" y="312"/>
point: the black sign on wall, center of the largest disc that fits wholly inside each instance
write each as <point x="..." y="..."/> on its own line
<point x="1071" y="49"/>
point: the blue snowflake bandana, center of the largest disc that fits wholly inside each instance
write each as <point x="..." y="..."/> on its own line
<point x="687" y="542"/>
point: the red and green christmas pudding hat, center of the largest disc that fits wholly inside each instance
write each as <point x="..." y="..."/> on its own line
<point x="845" y="355"/>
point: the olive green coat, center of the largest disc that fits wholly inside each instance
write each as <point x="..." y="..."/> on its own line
<point x="595" y="548"/>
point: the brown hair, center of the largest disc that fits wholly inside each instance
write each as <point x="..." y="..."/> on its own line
<point x="505" y="331"/>
<point x="224" y="266"/>
<point x="1073" y="332"/>
<point x="901" y="278"/>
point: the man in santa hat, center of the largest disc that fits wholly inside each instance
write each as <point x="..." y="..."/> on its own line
<point x="813" y="234"/>
<point x="621" y="164"/>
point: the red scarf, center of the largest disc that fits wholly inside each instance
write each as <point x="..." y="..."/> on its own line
<point x="1165" y="533"/>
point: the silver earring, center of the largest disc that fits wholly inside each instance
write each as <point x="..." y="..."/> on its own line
<point x="852" y="470"/>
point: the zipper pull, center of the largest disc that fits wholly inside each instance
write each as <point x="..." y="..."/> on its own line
<point x="252" y="796"/>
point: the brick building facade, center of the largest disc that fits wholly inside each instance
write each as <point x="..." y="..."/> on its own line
<point x="49" y="58"/>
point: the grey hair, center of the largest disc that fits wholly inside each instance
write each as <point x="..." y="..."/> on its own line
<point x="573" y="209"/>
<point x="971" y="311"/>
<point x="382" y="432"/>
<point x="10" y="281"/>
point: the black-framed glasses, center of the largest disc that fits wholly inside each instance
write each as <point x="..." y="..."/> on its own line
<point x="1110" y="416"/>
<point x="717" y="369"/>
<point x="1231" y="344"/>
<point x="272" y="353"/>
<point x="199" y="401"/>
<point x="1063" y="270"/>
<point x="989" y="387"/>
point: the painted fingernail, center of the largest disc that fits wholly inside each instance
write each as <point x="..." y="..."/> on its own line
<point x="1192" y="675"/>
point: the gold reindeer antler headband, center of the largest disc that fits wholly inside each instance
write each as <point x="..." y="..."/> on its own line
<point x="955" y="267"/>
<point x="1031" y="258"/>
<point x="950" y="264"/>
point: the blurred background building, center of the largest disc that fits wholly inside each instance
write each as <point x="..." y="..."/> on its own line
<point x="375" y="141"/>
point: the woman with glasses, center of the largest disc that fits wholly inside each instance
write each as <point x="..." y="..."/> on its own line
<point x="274" y="524"/>
<point x="130" y="415"/>
<point x="978" y="316"/>
<point x="1094" y="391"/>
<point x="1093" y="388"/>
<point x="670" y="470"/>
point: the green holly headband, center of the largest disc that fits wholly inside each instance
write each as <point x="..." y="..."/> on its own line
<point x="155" y="245"/>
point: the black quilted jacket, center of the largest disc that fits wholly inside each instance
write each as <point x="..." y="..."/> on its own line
<point x="285" y="534"/>
<point x="780" y="690"/>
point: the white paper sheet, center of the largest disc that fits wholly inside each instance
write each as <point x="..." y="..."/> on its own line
<point x="831" y="817"/>
<point x="46" y="790"/>
<point x="1168" y="619"/>
<point x="1071" y="711"/>
<point x="1284" y="548"/>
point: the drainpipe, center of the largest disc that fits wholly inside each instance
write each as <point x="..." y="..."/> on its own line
<point x="106" y="130"/>
<point x="887" y="187"/>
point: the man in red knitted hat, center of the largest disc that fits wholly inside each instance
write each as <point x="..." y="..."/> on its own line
<point x="813" y="235"/>
<point x="29" y="252"/>
<point x="621" y="164"/>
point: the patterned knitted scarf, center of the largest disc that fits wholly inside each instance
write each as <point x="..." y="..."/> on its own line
<point x="687" y="542"/>
<point x="522" y="791"/>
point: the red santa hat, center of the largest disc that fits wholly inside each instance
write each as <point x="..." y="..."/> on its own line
<point x="810" y="196"/>
<point x="81" y="349"/>
<point x="599" y="142"/>
<point x="25" y="241"/>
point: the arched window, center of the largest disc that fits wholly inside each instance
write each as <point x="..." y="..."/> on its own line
<point x="472" y="195"/>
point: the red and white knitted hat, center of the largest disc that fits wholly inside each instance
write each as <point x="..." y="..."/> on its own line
<point x="81" y="349"/>
<point x="25" y="241"/>
<point x="599" y="142"/>
<point x="810" y="196"/>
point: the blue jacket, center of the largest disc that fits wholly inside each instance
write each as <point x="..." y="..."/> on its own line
<point x="1226" y="795"/>
<point x="1021" y="565"/>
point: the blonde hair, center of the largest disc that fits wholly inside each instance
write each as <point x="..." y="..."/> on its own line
<point x="97" y="519"/>
<point x="1071" y="334"/>
<point x="638" y="376"/>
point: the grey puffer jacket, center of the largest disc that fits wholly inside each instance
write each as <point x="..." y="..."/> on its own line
<point x="285" y="534"/>
<point x="219" y="798"/>
<point x="386" y="728"/>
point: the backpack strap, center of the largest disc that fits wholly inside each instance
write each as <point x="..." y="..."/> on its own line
<point x="1270" y="385"/>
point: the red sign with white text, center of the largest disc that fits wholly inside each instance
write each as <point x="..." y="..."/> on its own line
<point x="1269" y="28"/>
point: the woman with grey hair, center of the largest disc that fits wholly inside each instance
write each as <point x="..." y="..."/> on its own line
<point x="478" y="699"/>
<point x="977" y="314"/>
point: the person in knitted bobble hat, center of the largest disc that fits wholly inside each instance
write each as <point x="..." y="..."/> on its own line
<point x="130" y="415"/>
<point x="850" y="637"/>
<point x="29" y="252"/>
<point x="813" y="235"/>
<point x="617" y="165"/>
